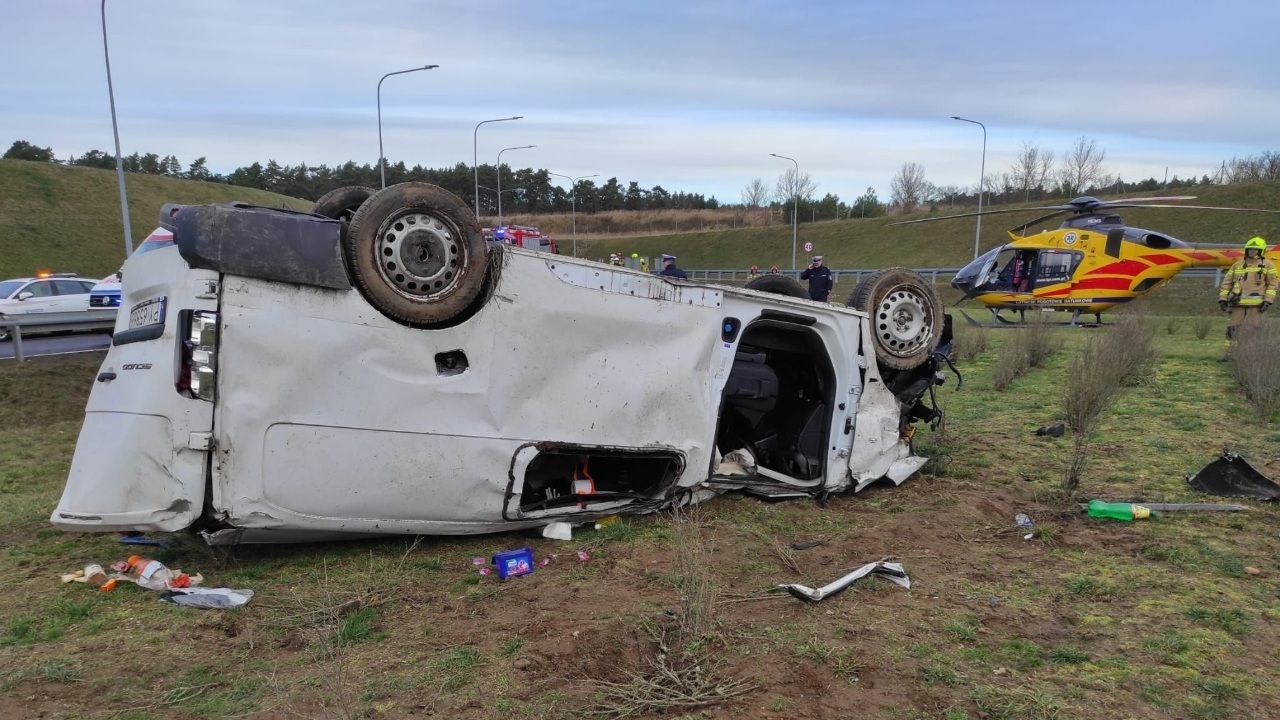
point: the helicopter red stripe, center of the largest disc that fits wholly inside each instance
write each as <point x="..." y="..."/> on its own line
<point x="1124" y="267"/>
<point x="1161" y="259"/>
<point x="1054" y="293"/>
<point x="1103" y="284"/>
<point x="1198" y="255"/>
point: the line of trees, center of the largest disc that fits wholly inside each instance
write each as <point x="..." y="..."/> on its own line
<point x="524" y="190"/>
<point x="1036" y="173"/>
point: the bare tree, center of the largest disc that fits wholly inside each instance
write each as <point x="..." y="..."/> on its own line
<point x="793" y="185"/>
<point x="909" y="188"/>
<point x="1030" y="170"/>
<point x="1081" y="166"/>
<point x="755" y="193"/>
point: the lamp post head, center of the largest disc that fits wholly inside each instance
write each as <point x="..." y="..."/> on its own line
<point x="430" y="67"/>
<point x="516" y="117"/>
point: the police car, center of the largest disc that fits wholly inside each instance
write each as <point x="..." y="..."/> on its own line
<point x="106" y="293"/>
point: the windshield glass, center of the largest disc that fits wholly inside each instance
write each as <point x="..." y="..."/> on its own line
<point x="8" y="286"/>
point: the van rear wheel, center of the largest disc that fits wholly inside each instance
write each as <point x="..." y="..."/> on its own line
<point x="342" y="203"/>
<point x="906" y="316"/>
<point x="778" y="285"/>
<point x="416" y="254"/>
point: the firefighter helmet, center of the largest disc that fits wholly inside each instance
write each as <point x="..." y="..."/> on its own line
<point x="1256" y="243"/>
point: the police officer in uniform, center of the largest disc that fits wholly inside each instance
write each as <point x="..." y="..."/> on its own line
<point x="820" y="279"/>
<point x="669" y="268"/>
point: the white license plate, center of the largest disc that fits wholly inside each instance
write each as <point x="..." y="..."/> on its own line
<point x="149" y="312"/>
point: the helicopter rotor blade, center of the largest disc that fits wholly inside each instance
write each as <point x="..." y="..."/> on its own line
<point x="1037" y="221"/>
<point x="1131" y="201"/>
<point x="1055" y="208"/>
<point x="1201" y="207"/>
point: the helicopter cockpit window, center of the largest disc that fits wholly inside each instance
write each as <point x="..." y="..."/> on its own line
<point x="1015" y="270"/>
<point x="1055" y="266"/>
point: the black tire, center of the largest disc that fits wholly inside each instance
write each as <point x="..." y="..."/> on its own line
<point x="415" y="252"/>
<point x="779" y="285"/>
<point x="342" y="203"/>
<point x="906" y="316"/>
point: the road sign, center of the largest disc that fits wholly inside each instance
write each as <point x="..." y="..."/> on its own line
<point x="808" y="247"/>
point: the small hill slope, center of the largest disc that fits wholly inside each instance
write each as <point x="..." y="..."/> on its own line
<point x="67" y="219"/>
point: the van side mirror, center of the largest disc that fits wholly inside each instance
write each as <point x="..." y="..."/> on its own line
<point x="25" y="295"/>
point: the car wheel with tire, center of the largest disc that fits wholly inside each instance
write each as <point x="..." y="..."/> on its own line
<point x="779" y="285"/>
<point x="906" y="316"/>
<point x="342" y="203"/>
<point x="415" y="252"/>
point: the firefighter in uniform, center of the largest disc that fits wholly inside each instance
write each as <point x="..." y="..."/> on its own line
<point x="1248" y="287"/>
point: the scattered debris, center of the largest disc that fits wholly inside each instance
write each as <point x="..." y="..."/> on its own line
<point x="1232" y="476"/>
<point x="887" y="570"/>
<point x="605" y="522"/>
<point x="91" y="574"/>
<point x="207" y="598"/>
<point x="1251" y="570"/>
<point x="133" y="537"/>
<point x="807" y="544"/>
<point x="558" y="531"/>
<point x="1026" y="523"/>
<point x="514" y="563"/>
<point x="1057" y="429"/>
<point x="1117" y="510"/>
<point x="1181" y="507"/>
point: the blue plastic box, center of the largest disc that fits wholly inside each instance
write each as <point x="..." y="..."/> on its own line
<point x="514" y="563"/>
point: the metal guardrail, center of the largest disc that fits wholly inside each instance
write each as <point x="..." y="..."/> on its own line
<point x="932" y="273"/>
<point x="56" y="321"/>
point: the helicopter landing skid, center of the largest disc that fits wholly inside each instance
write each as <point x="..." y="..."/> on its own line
<point x="999" y="321"/>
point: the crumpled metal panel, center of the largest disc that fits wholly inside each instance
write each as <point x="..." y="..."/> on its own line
<point x="324" y="403"/>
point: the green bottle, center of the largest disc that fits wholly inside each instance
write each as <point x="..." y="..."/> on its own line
<point x="1117" y="511"/>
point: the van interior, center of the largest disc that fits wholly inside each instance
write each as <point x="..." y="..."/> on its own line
<point x="777" y="401"/>
<point x="575" y="477"/>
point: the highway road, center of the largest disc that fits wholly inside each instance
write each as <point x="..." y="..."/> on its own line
<point x="57" y="344"/>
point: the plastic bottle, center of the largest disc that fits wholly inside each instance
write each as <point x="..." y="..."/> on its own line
<point x="1117" y="511"/>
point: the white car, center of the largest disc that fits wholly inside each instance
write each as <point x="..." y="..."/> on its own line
<point x="56" y="293"/>
<point x="284" y="376"/>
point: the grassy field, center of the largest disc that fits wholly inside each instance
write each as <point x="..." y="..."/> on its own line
<point x="875" y="243"/>
<point x="67" y="219"/>
<point x="1174" y="617"/>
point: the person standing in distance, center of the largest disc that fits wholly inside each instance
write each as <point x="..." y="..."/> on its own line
<point x="669" y="268"/>
<point x="820" y="279"/>
<point x="1248" y="287"/>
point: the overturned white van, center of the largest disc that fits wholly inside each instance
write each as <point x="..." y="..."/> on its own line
<point x="282" y="376"/>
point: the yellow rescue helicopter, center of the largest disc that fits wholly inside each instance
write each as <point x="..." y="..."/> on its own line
<point x="1091" y="262"/>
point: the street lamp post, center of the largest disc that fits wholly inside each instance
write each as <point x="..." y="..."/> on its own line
<point x="475" y="157"/>
<point x="982" y="179"/>
<point x="499" y="169"/>
<point x="573" y="199"/>
<point x="115" y="130"/>
<point x="382" y="163"/>
<point x="795" y="206"/>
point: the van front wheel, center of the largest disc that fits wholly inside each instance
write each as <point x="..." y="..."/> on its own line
<point x="416" y="254"/>
<point x="906" y="316"/>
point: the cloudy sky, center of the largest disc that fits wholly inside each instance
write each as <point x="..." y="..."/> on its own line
<point x="687" y="94"/>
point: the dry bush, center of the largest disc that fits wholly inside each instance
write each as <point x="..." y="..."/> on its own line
<point x="1171" y="324"/>
<point x="1254" y="361"/>
<point x="1202" y="325"/>
<point x="971" y="342"/>
<point x="1106" y="364"/>
<point x="1028" y="347"/>
<point x="682" y="672"/>
<point x="1040" y="341"/>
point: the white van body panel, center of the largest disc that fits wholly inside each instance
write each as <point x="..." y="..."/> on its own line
<point x="134" y="466"/>
<point x="331" y="419"/>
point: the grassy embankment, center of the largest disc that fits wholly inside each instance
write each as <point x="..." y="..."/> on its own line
<point x="1090" y="619"/>
<point x="67" y="219"/>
